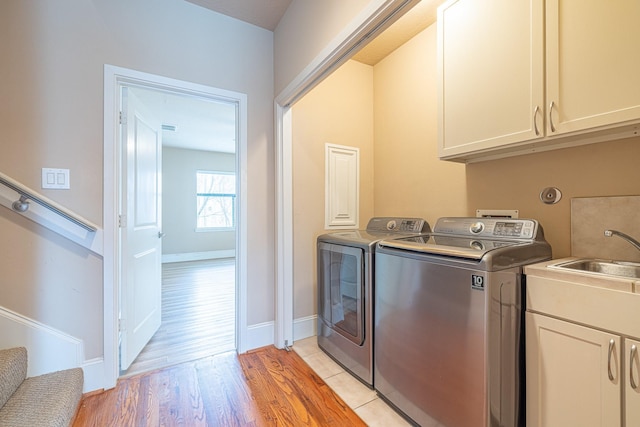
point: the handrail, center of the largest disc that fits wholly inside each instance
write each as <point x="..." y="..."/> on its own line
<point x="27" y="194"/>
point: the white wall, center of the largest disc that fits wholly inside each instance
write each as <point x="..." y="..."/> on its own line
<point x="52" y="57"/>
<point x="179" y="167"/>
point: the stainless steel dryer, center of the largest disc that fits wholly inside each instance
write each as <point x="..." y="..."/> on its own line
<point x="449" y="321"/>
<point x="345" y="290"/>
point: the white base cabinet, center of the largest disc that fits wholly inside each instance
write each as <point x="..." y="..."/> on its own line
<point x="568" y="374"/>
<point x="632" y="384"/>
<point x="582" y="349"/>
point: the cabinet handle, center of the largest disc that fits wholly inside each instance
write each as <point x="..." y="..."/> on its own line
<point x="535" y="122"/>
<point x="632" y="354"/>
<point x="612" y="343"/>
<point x="553" y="128"/>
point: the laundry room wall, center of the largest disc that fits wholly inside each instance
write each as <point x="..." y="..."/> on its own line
<point x="595" y="170"/>
<point x="338" y="111"/>
<point x="409" y="178"/>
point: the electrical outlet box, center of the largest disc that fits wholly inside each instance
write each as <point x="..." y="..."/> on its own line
<point x="57" y="179"/>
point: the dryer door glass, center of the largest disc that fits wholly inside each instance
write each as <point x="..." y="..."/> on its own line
<point x="341" y="285"/>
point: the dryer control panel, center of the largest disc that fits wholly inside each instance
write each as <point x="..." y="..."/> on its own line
<point x="398" y="225"/>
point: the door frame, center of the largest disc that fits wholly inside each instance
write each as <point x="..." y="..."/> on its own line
<point x="114" y="79"/>
<point x="376" y="17"/>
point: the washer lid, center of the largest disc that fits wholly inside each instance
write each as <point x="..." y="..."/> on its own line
<point x="472" y="238"/>
<point x="461" y="247"/>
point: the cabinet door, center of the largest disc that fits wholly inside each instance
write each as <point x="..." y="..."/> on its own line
<point x="593" y="68"/>
<point x="632" y="382"/>
<point x="490" y="63"/>
<point x="573" y="374"/>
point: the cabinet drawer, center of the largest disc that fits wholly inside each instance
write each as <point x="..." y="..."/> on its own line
<point x="606" y="309"/>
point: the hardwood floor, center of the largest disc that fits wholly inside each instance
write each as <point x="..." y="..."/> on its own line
<point x="265" y="387"/>
<point x="198" y="314"/>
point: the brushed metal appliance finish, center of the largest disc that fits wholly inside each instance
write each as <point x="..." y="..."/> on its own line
<point x="448" y="323"/>
<point x="345" y="291"/>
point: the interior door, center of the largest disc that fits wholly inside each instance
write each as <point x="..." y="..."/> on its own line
<point x="140" y="228"/>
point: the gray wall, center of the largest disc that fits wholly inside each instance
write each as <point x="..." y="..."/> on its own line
<point x="52" y="57"/>
<point x="179" y="167"/>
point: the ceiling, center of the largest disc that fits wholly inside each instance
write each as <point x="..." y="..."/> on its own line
<point x="210" y="126"/>
<point x="262" y="13"/>
<point x="199" y="124"/>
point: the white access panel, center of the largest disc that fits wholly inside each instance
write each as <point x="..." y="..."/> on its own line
<point x="342" y="186"/>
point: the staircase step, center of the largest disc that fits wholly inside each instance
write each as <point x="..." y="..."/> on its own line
<point x="49" y="400"/>
<point x="13" y="370"/>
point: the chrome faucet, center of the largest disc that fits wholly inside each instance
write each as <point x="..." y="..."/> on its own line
<point x="634" y="242"/>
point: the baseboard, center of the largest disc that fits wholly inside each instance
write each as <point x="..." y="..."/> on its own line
<point x="198" y="256"/>
<point x="263" y="334"/>
<point x="305" y="327"/>
<point x="93" y="374"/>
<point x="48" y="349"/>
<point x="260" y="335"/>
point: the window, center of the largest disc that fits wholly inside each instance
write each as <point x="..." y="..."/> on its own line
<point x="216" y="200"/>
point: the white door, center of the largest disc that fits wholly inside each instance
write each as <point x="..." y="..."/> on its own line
<point x="140" y="228"/>
<point x="573" y="374"/>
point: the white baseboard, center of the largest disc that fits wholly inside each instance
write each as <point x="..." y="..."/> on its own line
<point x="93" y="374"/>
<point x="198" y="256"/>
<point x="305" y="327"/>
<point x="263" y="334"/>
<point x="48" y="349"/>
<point x="260" y="335"/>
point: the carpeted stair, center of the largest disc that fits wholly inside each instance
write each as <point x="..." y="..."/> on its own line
<point x="49" y="400"/>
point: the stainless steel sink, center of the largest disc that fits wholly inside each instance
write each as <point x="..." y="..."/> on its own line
<point x="609" y="268"/>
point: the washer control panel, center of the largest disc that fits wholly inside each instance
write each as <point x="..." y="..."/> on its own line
<point x="488" y="227"/>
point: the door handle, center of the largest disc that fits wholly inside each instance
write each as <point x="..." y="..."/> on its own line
<point x="535" y="121"/>
<point x="632" y="354"/>
<point x="160" y="234"/>
<point x="553" y="128"/>
<point x="611" y="345"/>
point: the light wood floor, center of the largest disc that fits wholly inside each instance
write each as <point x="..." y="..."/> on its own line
<point x="265" y="387"/>
<point x="198" y="314"/>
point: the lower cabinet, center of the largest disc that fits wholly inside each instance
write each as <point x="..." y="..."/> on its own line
<point x="632" y="382"/>
<point x="573" y="375"/>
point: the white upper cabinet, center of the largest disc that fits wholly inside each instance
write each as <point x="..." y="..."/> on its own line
<point x="502" y="91"/>
<point x="593" y="65"/>
<point x="491" y="74"/>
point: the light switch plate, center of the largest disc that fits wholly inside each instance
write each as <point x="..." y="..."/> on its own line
<point x="57" y="179"/>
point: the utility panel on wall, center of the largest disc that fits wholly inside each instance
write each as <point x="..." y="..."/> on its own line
<point x="342" y="186"/>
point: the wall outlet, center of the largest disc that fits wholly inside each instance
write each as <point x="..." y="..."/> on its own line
<point x="57" y="179"/>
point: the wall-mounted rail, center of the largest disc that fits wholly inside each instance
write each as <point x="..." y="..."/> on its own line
<point x="49" y="214"/>
<point x="26" y="194"/>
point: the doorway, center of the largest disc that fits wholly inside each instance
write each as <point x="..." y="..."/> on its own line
<point x="168" y="91"/>
<point x="197" y="201"/>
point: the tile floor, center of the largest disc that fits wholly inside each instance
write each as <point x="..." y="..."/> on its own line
<point x="362" y="400"/>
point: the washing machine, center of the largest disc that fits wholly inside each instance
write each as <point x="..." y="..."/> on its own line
<point x="449" y="317"/>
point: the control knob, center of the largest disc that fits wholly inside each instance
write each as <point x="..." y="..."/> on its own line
<point x="476" y="227"/>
